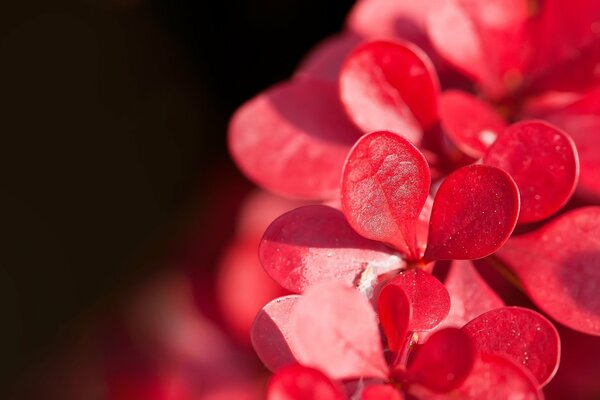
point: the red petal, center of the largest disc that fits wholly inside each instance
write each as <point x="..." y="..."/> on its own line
<point x="429" y="299"/>
<point x="483" y="39"/>
<point x="495" y="377"/>
<point x="271" y="335"/>
<point x="543" y="162"/>
<point x="471" y="124"/>
<point x="559" y="266"/>
<point x="296" y="382"/>
<point x="520" y="334"/>
<point x="385" y="183"/>
<point x="313" y="244"/>
<point x="293" y="139"/>
<point x="325" y="59"/>
<point x="470" y="295"/>
<point x="390" y="86"/>
<point x="394" y="311"/>
<point x="581" y="120"/>
<point x="444" y="361"/>
<point x="335" y="329"/>
<point x="474" y="212"/>
<point x="381" y="392"/>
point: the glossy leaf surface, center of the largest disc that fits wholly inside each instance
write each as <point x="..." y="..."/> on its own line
<point x="469" y="122"/>
<point x="521" y="334"/>
<point x="390" y="86"/>
<point x="429" y="299"/>
<point x="313" y="244"/>
<point x="385" y="183"/>
<point x="270" y="333"/>
<point x="474" y="212"/>
<point x="543" y="162"/>
<point x="559" y="267"/>
<point x="335" y="329"/>
<point x="293" y="139"/>
<point x="394" y="309"/>
<point x="297" y="382"/>
<point x="444" y="361"/>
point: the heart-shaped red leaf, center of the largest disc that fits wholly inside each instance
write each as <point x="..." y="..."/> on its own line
<point x="444" y="361"/>
<point x="297" y="382"/>
<point x="521" y="334"/>
<point x="393" y="306"/>
<point x="293" y="139"/>
<point x="543" y="162"/>
<point x="474" y="212"/>
<point x="334" y="329"/>
<point x="559" y="267"/>
<point x="469" y="122"/>
<point x="496" y="377"/>
<point x="390" y="86"/>
<point x="381" y="392"/>
<point x="385" y="183"/>
<point x="429" y="299"/>
<point x="325" y="59"/>
<point x="271" y="335"/>
<point x="313" y="244"/>
<point x="470" y="295"/>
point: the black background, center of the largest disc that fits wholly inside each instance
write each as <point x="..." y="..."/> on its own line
<point x="113" y="122"/>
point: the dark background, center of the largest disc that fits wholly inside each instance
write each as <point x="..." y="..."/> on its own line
<point x="113" y="123"/>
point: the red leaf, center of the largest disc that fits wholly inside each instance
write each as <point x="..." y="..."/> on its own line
<point x="581" y="120"/>
<point x="470" y="295"/>
<point x="469" y="122"/>
<point x="543" y="162"/>
<point x="484" y="39"/>
<point x="271" y="335"/>
<point x="381" y="392"/>
<point x="297" y="382"/>
<point x="429" y="299"/>
<point x="385" y="183"/>
<point x="325" y="59"/>
<point x="390" y="86"/>
<point x="474" y="212"/>
<point x="520" y="334"/>
<point x="313" y="244"/>
<point x="495" y="377"/>
<point x="293" y="139"/>
<point x="335" y="329"/>
<point x="444" y="361"/>
<point x="559" y="266"/>
<point x="394" y="311"/>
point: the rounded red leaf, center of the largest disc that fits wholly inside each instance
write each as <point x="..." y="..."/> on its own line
<point x="381" y="392"/>
<point x="543" y="162"/>
<point x="469" y="122"/>
<point x="385" y="183"/>
<point x="474" y="212"/>
<point x="270" y="333"/>
<point x="390" y="86"/>
<point x="293" y="139"/>
<point x="429" y="299"/>
<point x="297" y="382"/>
<point x="520" y="334"/>
<point x="496" y="377"/>
<point x="470" y="295"/>
<point x="313" y="244"/>
<point x="393" y="306"/>
<point x="334" y="329"/>
<point x="444" y="361"/>
<point x="325" y="59"/>
<point x="559" y="267"/>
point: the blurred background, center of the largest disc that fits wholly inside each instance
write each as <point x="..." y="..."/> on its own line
<point x="114" y="164"/>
